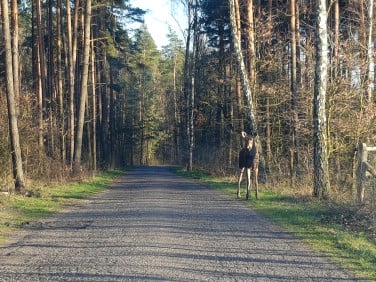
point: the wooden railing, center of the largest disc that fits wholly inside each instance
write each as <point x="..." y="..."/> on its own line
<point x="363" y="168"/>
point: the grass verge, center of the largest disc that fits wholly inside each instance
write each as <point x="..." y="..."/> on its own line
<point x="17" y="210"/>
<point x="310" y="220"/>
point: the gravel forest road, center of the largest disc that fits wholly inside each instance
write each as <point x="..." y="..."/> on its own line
<point x="152" y="225"/>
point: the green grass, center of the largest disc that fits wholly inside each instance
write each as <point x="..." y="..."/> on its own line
<point x="308" y="218"/>
<point x="17" y="210"/>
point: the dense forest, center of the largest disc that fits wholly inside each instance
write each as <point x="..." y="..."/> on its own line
<point x="80" y="91"/>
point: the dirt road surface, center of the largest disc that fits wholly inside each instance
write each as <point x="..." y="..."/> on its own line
<point x="152" y="225"/>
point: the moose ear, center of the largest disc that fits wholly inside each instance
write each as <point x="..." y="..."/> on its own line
<point x="244" y="134"/>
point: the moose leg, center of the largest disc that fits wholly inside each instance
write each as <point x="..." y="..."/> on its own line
<point x="248" y="183"/>
<point x="240" y="181"/>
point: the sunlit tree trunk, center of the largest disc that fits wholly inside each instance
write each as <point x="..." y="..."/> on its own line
<point x="251" y="50"/>
<point x="70" y="81"/>
<point x="84" y="89"/>
<point x="71" y="34"/>
<point x="370" y="54"/>
<point x="60" y="95"/>
<point x="321" y="183"/>
<point x="239" y="95"/>
<point x="19" y="182"/>
<point x="39" y="65"/>
<point x="15" y="52"/>
<point x="187" y="63"/>
<point x="268" y="133"/>
<point x="189" y="79"/>
<point x="243" y="71"/>
<point x="51" y="97"/>
<point x="192" y="90"/>
<point x="94" y="109"/>
<point x="295" y="167"/>
<point x="176" y="116"/>
<point x="335" y="66"/>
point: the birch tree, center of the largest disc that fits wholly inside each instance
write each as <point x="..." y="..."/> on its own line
<point x="321" y="183"/>
<point x="189" y="79"/>
<point x="246" y="88"/>
<point x="251" y="45"/>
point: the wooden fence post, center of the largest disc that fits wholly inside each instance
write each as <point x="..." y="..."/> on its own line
<point x="361" y="172"/>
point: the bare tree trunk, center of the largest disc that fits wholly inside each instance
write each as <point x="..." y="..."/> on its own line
<point x="50" y="93"/>
<point x="189" y="70"/>
<point x="94" y="109"/>
<point x="38" y="68"/>
<point x="238" y="79"/>
<point x="16" y="72"/>
<point x="371" y="62"/>
<point x="59" y="89"/>
<point x="72" y="47"/>
<point x="84" y="90"/>
<point x="176" y="116"/>
<point x="192" y="97"/>
<point x="294" y="93"/>
<point x="187" y="63"/>
<point x="362" y="29"/>
<point x="268" y="132"/>
<point x="243" y="71"/>
<point x="70" y="80"/>
<point x="251" y="50"/>
<point x="19" y="182"/>
<point x="321" y="183"/>
<point x="335" y="69"/>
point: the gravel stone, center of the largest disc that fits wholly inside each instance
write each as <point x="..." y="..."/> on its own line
<point x="152" y="225"/>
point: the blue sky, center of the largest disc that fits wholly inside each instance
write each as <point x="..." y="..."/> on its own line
<point x="159" y="16"/>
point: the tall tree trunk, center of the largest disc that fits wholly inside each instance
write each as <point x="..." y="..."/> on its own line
<point x="71" y="66"/>
<point x="195" y="46"/>
<point x="72" y="54"/>
<point x="187" y="64"/>
<point x="59" y="89"/>
<point x="243" y="71"/>
<point x="335" y="69"/>
<point x="176" y="153"/>
<point x="19" y="182"/>
<point x="84" y="89"/>
<point x="189" y="78"/>
<point x="15" y="52"/>
<point x="39" y="68"/>
<point x="294" y="93"/>
<point x="268" y="133"/>
<point x="251" y="50"/>
<point x="370" y="55"/>
<point x="113" y="117"/>
<point x="94" y="108"/>
<point x="239" y="95"/>
<point x="333" y="76"/>
<point x="51" y="96"/>
<point x="321" y="183"/>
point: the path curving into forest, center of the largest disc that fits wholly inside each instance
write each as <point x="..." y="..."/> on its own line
<point x="153" y="225"/>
